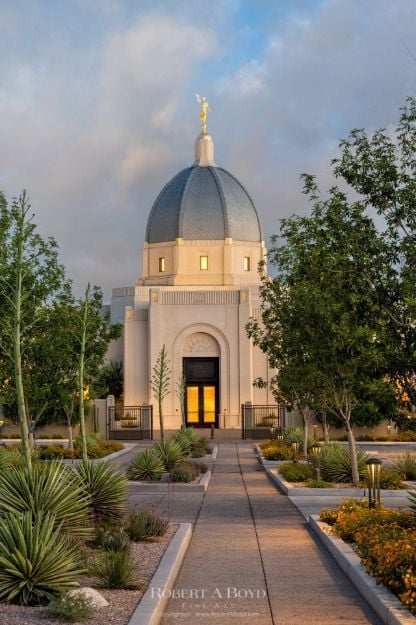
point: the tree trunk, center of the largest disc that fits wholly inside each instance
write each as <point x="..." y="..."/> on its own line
<point x="20" y="393"/>
<point x="353" y="453"/>
<point x="162" y="430"/>
<point x="81" y="378"/>
<point x="70" y="435"/>
<point x="305" y="435"/>
<point x="325" y="427"/>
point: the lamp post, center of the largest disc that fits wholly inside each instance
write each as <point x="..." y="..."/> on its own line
<point x="315" y="431"/>
<point x="373" y="481"/>
<point x="295" y="450"/>
<point x="316" y="452"/>
<point x="389" y="430"/>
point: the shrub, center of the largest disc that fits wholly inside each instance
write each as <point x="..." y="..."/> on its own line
<point x="406" y="465"/>
<point x="147" y="466"/>
<point x="8" y="458"/>
<point x="313" y="483"/>
<point x="335" y="463"/>
<point x="117" y="541"/>
<point x="299" y="472"/>
<point x="198" y="452"/>
<point x="71" y="607"/>
<point x="293" y="435"/>
<point x="348" y="524"/>
<point x="170" y="453"/>
<point x="106" y="488"/>
<point x="145" y="525"/>
<point x="36" y="561"/>
<point x="50" y="487"/>
<point x="390" y="479"/>
<point x="277" y="452"/>
<point x="407" y="436"/>
<point x="347" y="505"/>
<point x="268" y="442"/>
<point x="116" y="569"/>
<point x="50" y="452"/>
<point x="185" y="472"/>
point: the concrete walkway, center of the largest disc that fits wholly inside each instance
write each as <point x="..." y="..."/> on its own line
<point x="252" y="559"/>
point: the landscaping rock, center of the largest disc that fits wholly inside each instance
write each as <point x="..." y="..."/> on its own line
<point x="97" y="600"/>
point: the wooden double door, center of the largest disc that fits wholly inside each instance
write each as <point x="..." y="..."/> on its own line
<point x="202" y="391"/>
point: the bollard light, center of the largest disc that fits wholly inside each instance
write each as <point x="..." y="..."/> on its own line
<point x="315" y="431"/>
<point x="389" y="429"/>
<point x="315" y="453"/>
<point x="279" y="438"/>
<point x="373" y="481"/>
<point x="295" y="451"/>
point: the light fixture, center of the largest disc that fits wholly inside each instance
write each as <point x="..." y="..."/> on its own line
<point x="315" y="431"/>
<point x="295" y="451"/>
<point x="315" y="453"/>
<point x="373" y="481"/>
<point x="389" y="429"/>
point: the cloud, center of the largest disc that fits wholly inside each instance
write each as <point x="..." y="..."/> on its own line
<point x="97" y="108"/>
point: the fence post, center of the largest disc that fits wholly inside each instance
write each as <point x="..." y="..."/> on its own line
<point x="111" y="403"/>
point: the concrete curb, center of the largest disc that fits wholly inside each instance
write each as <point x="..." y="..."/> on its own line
<point x="171" y="487"/>
<point x="291" y="491"/>
<point x="149" y="610"/>
<point x="383" y="602"/>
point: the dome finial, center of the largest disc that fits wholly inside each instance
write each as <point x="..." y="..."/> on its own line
<point x="203" y="111"/>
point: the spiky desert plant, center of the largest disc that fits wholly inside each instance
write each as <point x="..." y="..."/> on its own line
<point x="185" y="472"/>
<point x="336" y="466"/>
<point x="146" y="465"/>
<point x="183" y="441"/>
<point x="36" y="560"/>
<point x="145" y="525"/>
<point x="170" y="453"/>
<point x="6" y="458"/>
<point x="116" y="569"/>
<point x="106" y="488"/>
<point x="406" y="465"/>
<point x="293" y="435"/>
<point x="48" y="487"/>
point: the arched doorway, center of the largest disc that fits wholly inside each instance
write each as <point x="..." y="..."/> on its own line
<point x="201" y="367"/>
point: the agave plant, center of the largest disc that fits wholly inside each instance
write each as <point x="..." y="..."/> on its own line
<point x="49" y="487"/>
<point x="106" y="488"/>
<point x="36" y="561"/>
<point x="147" y="465"/>
<point x="335" y="463"/>
<point x="406" y="465"/>
<point x="170" y="453"/>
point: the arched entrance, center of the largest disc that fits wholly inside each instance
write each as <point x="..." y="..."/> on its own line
<point x="201" y="367"/>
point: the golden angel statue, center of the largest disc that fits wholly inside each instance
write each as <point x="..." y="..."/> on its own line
<point x="203" y="111"/>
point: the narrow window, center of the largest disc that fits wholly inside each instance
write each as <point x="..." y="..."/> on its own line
<point x="161" y="265"/>
<point x="246" y="263"/>
<point x="203" y="263"/>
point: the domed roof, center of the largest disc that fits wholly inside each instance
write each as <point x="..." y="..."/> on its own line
<point x="203" y="202"/>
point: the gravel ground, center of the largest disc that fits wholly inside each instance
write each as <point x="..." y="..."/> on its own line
<point x="121" y="602"/>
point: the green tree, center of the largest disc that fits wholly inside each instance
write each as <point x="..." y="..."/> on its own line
<point x="160" y="384"/>
<point x="319" y="312"/>
<point x="109" y="380"/>
<point x="381" y="167"/>
<point x="31" y="279"/>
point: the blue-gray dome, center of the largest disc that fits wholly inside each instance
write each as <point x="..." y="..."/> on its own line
<point x="203" y="202"/>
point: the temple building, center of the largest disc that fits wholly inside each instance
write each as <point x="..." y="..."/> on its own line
<point x="199" y="287"/>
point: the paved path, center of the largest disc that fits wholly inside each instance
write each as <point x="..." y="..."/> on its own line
<point x="252" y="559"/>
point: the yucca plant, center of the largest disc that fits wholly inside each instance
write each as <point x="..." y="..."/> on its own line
<point x="145" y="525"/>
<point x="7" y="458"/>
<point x="48" y="487"/>
<point x="36" y="560"/>
<point x="406" y="465"/>
<point x="183" y="441"/>
<point x="106" y="488"/>
<point x="117" y="541"/>
<point x="335" y="463"/>
<point x="170" y="453"/>
<point x="147" y="466"/>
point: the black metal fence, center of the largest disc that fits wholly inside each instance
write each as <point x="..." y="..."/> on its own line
<point x="130" y="422"/>
<point x="262" y="421"/>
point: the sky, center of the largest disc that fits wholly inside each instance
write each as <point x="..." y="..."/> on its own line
<point x="97" y="110"/>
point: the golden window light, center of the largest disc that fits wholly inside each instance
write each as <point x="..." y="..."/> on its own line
<point x="203" y="263"/>
<point x="161" y="265"/>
